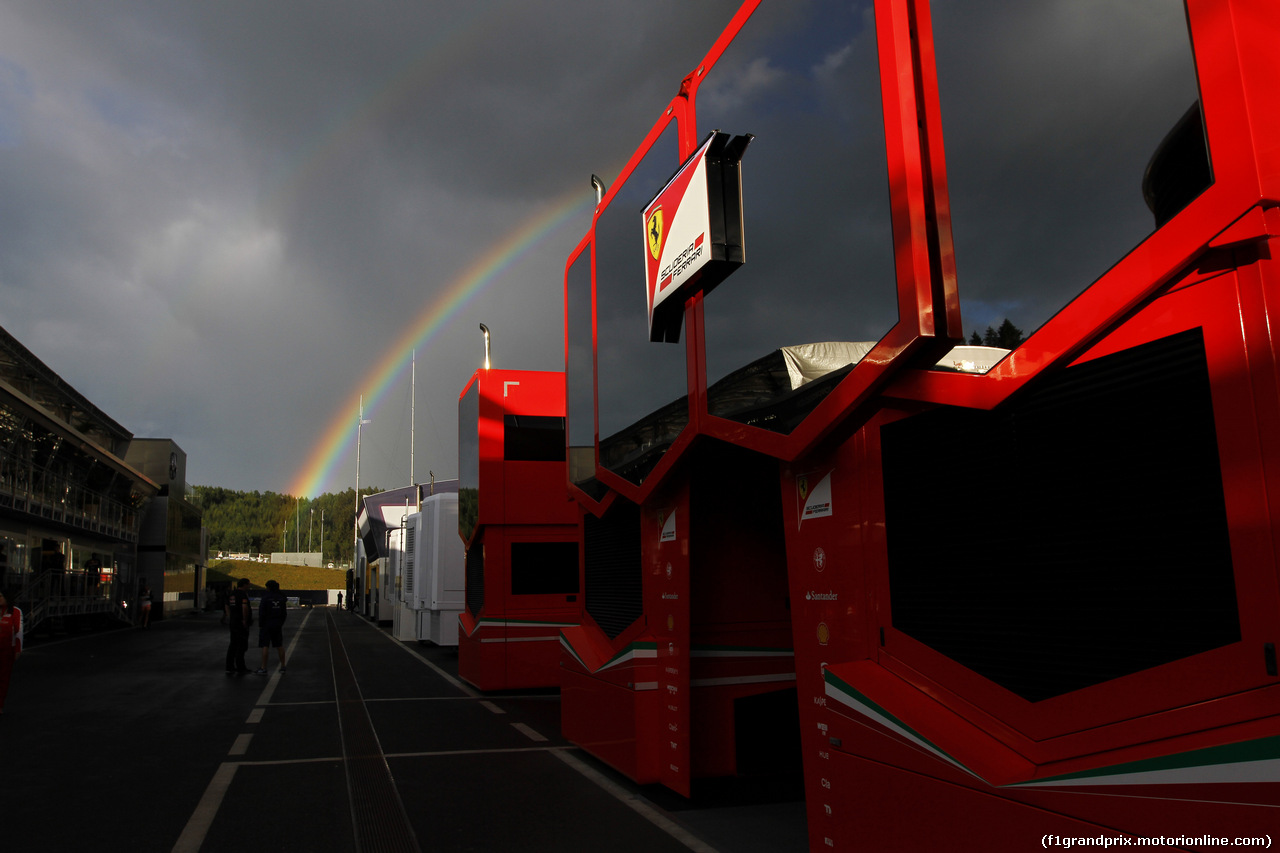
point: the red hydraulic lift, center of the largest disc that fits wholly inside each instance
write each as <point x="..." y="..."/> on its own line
<point x="519" y="527"/>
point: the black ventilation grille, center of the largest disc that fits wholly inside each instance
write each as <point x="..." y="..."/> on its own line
<point x="613" y="576"/>
<point x="475" y="578"/>
<point x="1086" y="534"/>
<point x="410" y="561"/>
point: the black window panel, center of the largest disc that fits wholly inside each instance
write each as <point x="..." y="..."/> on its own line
<point x="580" y="379"/>
<point x="544" y="568"/>
<point x="1064" y="152"/>
<point x="475" y="579"/>
<point x="469" y="461"/>
<point x="804" y="78"/>
<point x="532" y="438"/>
<point x="613" y="576"/>
<point x="635" y="377"/>
<point x="1087" y="535"/>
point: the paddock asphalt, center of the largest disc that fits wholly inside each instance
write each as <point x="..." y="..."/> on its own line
<point x="137" y="740"/>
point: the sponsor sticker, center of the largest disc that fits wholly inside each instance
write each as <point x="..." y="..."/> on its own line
<point x="814" y="496"/>
<point x="668" y="527"/>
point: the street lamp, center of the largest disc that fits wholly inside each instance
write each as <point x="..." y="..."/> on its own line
<point x="355" y="519"/>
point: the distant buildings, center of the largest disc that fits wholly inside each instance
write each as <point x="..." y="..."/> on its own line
<point x="87" y="510"/>
<point x="171" y="542"/>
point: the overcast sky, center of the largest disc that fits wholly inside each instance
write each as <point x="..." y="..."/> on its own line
<point x="217" y="219"/>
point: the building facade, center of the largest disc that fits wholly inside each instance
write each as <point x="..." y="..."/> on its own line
<point x="72" y="500"/>
<point x="171" y="540"/>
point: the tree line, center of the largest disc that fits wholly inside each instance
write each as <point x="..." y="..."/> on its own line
<point x="263" y="522"/>
<point x="1007" y="336"/>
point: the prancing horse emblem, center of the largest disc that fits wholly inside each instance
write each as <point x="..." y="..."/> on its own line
<point x="654" y="229"/>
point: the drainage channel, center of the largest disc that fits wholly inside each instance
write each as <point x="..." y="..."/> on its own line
<point x="377" y="814"/>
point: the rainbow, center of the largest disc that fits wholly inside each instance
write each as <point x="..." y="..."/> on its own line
<point x="338" y="439"/>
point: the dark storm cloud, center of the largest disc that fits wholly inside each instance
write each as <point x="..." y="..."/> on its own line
<point x="217" y="217"/>
<point x="1050" y="110"/>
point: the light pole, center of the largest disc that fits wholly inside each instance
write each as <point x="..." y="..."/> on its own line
<point x="310" y="522"/>
<point x="355" y="519"/>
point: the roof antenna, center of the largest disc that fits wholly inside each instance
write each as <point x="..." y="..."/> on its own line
<point x="599" y="187"/>
<point x="485" y="329"/>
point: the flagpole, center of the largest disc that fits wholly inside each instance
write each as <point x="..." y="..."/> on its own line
<point x="413" y="386"/>
<point x="360" y="422"/>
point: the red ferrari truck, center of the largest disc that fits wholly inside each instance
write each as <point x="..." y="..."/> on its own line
<point x="1032" y="589"/>
<point x="519" y="527"/>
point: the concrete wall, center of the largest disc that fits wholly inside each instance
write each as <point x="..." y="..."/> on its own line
<point x="298" y="558"/>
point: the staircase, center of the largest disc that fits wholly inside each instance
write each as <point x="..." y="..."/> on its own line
<point x="54" y="596"/>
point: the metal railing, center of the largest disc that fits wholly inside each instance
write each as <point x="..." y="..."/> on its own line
<point x="51" y="594"/>
<point x="55" y="497"/>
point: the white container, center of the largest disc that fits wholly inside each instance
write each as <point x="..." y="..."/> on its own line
<point x="434" y="569"/>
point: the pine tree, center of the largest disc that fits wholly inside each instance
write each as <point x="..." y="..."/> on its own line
<point x="1009" y="335"/>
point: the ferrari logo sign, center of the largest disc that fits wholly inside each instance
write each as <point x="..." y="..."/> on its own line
<point x="693" y="231"/>
<point x="814" y="499"/>
<point x="654" y="229"/>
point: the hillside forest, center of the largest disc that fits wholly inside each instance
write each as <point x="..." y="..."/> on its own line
<point x="264" y="522"/>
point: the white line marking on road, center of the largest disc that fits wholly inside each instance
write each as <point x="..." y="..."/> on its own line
<point x="529" y="732"/>
<point x="270" y="689"/>
<point x="436" y="753"/>
<point x="255" y="716"/>
<point x="193" y="834"/>
<point x="636" y="804"/>
<point x="440" y="672"/>
<point x="484" y="703"/>
<point x="419" y="699"/>
<point x="201" y="819"/>
<point x="445" y="753"/>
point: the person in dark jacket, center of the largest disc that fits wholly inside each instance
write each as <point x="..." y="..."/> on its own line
<point x="271" y="615"/>
<point x="144" y="603"/>
<point x="239" y="617"/>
